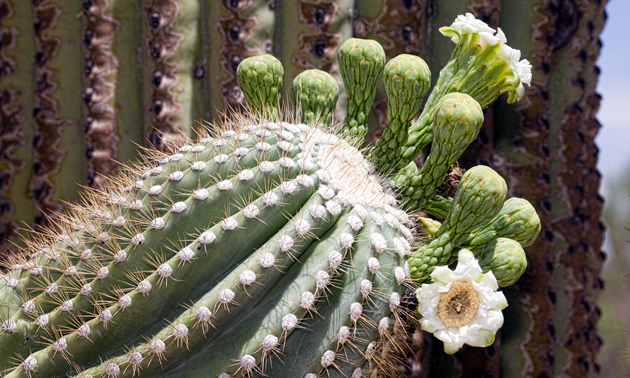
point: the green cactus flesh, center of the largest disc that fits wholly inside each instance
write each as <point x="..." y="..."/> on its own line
<point x="264" y="219"/>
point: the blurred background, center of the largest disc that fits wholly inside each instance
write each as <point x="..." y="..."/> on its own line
<point x="614" y="164"/>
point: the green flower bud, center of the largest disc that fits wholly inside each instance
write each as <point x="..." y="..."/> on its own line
<point x="481" y="65"/>
<point x="438" y="206"/>
<point x="260" y="79"/>
<point x="505" y="258"/>
<point x="407" y="79"/>
<point x="479" y="197"/>
<point x="457" y="122"/>
<point x="315" y="92"/>
<point x="517" y="220"/>
<point x="361" y="63"/>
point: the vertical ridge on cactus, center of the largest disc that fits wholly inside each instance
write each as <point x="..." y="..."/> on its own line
<point x="267" y="235"/>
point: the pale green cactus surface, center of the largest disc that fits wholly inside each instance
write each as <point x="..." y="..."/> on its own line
<point x="270" y="246"/>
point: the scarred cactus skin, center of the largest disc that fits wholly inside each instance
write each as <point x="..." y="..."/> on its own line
<point x="267" y="247"/>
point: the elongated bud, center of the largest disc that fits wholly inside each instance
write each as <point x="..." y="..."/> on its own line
<point x="260" y="79"/>
<point x="479" y="197"/>
<point x="361" y="63"/>
<point x="517" y="220"/>
<point x="407" y="79"/>
<point x="315" y="92"/>
<point x="438" y="206"/>
<point x="457" y="122"/>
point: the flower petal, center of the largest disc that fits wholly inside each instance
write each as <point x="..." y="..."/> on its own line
<point x="442" y="274"/>
<point x="468" y="268"/>
<point x="503" y="303"/>
<point x="481" y="339"/>
<point x="431" y="324"/>
<point x="489" y="280"/>
<point x="492" y="321"/>
<point x="501" y="36"/>
<point x="453" y="338"/>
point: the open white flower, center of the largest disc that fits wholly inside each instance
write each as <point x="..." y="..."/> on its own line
<point x="462" y="306"/>
<point x="468" y="24"/>
<point x="468" y="32"/>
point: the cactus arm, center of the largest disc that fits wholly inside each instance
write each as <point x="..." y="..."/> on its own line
<point x="479" y="197"/>
<point x="382" y="302"/>
<point x="457" y="121"/>
<point x="361" y="65"/>
<point x="191" y="179"/>
<point x="311" y="343"/>
<point x="171" y="191"/>
<point x="196" y="213"/>
<point x="407" y="79"/>
<point x="260" y="78"/>
<point x="209" y="265"/>
<point x="315" y="95"/>
<point x="292" y="300"/>
<point x="154" y="238"/>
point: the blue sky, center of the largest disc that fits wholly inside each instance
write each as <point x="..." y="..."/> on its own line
<point x="613" y="139"/>
<point x="614" y="86"/>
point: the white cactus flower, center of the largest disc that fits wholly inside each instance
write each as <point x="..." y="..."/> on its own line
<point x="468" y="24"/>
<point x="465" y="29"/>
<point x="462" y="306"/>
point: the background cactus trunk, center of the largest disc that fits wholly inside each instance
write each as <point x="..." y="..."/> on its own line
<point x="78" y="91"/>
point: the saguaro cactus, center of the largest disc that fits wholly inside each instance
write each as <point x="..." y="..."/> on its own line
<point x="267" y="236"/>
<point x="77" y="92"/>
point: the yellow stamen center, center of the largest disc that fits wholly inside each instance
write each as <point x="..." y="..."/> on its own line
<point x="458" y="306"/>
